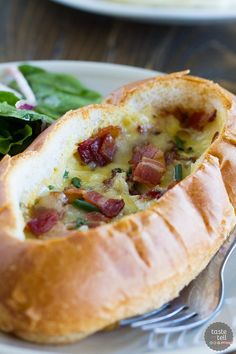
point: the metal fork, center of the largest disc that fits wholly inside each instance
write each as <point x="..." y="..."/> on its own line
<point x="196" y="304"/>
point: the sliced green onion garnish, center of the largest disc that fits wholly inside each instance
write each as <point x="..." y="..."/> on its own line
<point x="179" y="143"/>
<point x="129" y="172"/>
<point x="80" y="222"/>
<point x="66" y="174"/>
<point x="76" y="182"/>
<point x="82" y="204"/>
<point x="178" y="172"/>
<point x="50" y="187"/>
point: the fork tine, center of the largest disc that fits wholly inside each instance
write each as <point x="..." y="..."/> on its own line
<point x="184" y="316"/>
<point x="190" y="324"/>
<point x="157" y="319"/>
<point x="130" y="320"/>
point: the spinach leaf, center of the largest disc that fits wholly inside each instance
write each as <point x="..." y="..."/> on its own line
<point x="13" y="139"/>
<point x="18" y="128"/>
<point x="55" y="104"/>
<point x="17" y="134"/>
<point x="8" y="97"/>
<point x="6" y="110"/>
<point x="29" y="69"/>
<point x="57" y="93"/>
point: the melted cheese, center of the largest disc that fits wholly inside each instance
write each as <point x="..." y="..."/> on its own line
<point x="161" y="131"/>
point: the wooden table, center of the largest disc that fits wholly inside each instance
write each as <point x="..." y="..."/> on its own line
<point x="40" y="29"/>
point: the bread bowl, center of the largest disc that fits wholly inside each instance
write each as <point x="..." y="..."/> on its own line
<point x="58" y="287"/>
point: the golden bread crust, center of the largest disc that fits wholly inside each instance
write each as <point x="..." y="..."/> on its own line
<point x="64" y="289"/>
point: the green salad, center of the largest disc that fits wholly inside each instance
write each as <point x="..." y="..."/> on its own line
<point x="31" y="99"/>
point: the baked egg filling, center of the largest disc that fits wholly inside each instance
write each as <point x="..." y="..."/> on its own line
<point x="120" y="170"/>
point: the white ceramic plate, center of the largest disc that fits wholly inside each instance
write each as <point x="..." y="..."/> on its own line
<point x="105" y="78"/>
<point x="152" y="13"/>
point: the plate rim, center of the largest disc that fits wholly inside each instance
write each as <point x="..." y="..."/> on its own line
<point x="85" y="63"/>
<point x="105" y="7"/>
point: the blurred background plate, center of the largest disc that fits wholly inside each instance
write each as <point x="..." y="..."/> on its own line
<point x="106" y="78"/>
<point x="154" y="13"/>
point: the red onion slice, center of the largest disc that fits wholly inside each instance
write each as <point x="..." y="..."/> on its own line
<point x="5" y="88"/>
<point x="25" y="88"/>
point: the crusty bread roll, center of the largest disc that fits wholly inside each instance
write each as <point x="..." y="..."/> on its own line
<point x="63" y="289"/>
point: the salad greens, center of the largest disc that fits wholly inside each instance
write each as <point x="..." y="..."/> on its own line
<point x="12" y="139"/>
<point x="55" y="95"/>
<point x="8" y="97"/>
<point x="7" y="110"/>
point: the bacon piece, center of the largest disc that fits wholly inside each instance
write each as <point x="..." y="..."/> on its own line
<point x="153" y="194"/>
<point x="108" y="206"/>
<point x="148" y="164"/>
<point x="177" y="112"/>
<point x="198" y="120"/>
<point x="96" y="157"/>
<point x="100" y="148"/>
<point x="149" y="172"/>
<point x="72" y="193"/>
<point x="111" y="129"/>
<point x="149" y="150"/>
<point x="84" y="150"/>
<point x="108" y="148"/>
<point x="95" y="219"/>
<point x="43" y="220"/>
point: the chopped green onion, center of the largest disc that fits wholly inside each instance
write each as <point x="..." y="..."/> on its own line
<point x="66" y="174"/>
<point x="82" y="204"/>
<point x="178" y="172"/>
<point x="76" y="182"/>
<point x="129" y="172"/>
<point x="50" y="187"/>
<point x="80" y="222"/>
<point x="179" y="143"/>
